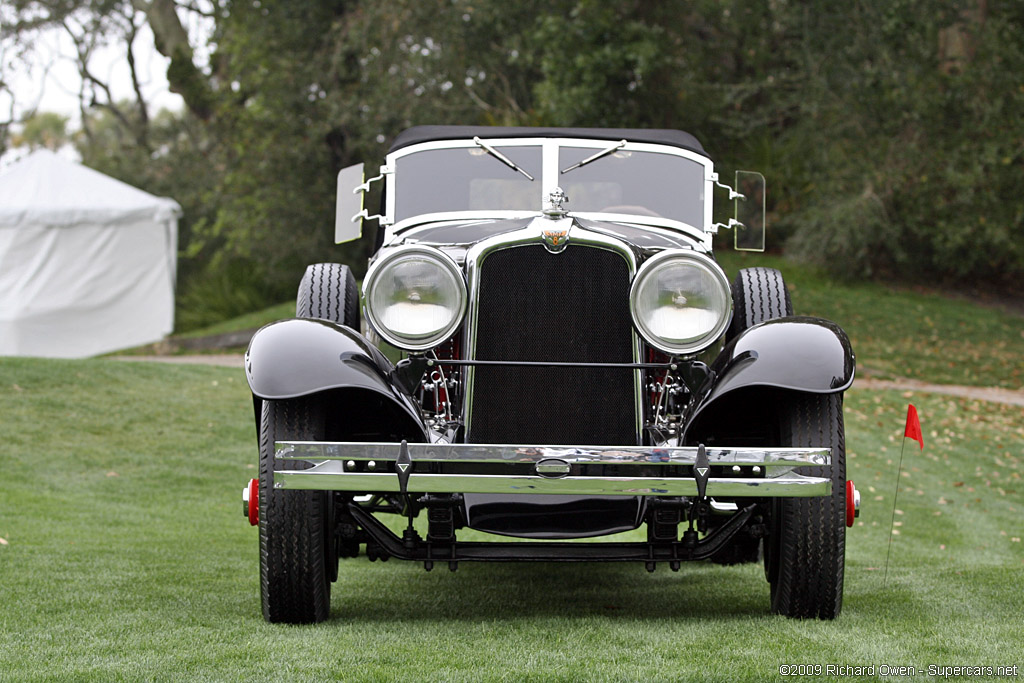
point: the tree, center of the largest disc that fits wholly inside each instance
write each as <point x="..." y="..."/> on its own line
<point x="42" y="130"/>
<point x="887" y="127"/>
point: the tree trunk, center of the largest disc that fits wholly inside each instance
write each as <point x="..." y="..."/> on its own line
<point x="171" y="38"/>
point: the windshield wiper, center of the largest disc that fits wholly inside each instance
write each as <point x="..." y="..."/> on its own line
<point x="603" y="153"/>
<point x="501" y="157"/>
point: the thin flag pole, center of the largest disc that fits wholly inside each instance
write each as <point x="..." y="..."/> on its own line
<point x="912" y="430"/>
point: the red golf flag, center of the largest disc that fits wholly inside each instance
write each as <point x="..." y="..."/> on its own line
<point x="913" y="428"/>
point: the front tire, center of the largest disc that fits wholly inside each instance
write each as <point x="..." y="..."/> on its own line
<point x="758" y="295"/>
<point x="295" y="548"/>
<point x="328" y="291"/>
<point x="805" y="549"/>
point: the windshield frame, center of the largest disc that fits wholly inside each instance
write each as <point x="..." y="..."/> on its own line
<point x="550" y="178"/>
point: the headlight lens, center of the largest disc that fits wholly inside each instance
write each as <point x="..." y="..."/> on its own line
<point x="681" y="301"/>
<point x="415" y="297"/>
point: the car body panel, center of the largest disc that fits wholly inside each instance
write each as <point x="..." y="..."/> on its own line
<point x="301" y="357"/>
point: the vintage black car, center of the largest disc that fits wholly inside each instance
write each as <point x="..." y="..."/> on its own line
<point x="571" y="362"/>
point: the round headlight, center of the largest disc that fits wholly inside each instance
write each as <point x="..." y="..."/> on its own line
<point x="414" y="297"/>
<point x="681" y="302"/>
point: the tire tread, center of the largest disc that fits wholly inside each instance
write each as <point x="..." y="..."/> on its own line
<point x="293" y="581"/>
<point x="328" y="291"/>
<point x="808" y="581"/>
<point x="759" y="295"/>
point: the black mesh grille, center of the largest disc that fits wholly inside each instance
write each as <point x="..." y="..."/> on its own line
<point x="538" y="306"/>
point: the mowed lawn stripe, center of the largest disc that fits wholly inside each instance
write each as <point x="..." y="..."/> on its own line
<point x="128" y="558"/>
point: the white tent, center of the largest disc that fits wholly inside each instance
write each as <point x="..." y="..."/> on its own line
<point x="87" y="263"/>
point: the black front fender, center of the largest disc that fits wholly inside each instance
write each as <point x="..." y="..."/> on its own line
<point x="801" y="354"/>
<point x="300" y="357"/>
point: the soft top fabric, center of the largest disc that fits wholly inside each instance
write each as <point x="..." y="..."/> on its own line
<point x="675" y="138"/>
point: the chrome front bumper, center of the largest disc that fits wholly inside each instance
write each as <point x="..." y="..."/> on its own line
<point x="568" y="470"/>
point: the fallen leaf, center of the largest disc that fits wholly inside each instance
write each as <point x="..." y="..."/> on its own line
<point x="958" y="483"/>
<point x="113" y="474"/>
<point x="3" y="541"/>
<point x="17" y="388"/>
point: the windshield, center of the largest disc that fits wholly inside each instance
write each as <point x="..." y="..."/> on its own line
<point x="467" y="179"/>
<point x="630" y="182"/>
<point x="487" y="176"/>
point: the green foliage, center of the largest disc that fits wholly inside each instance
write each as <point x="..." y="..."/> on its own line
<point x="603" y="64"/>
<point x="247" y="321"/>
<point x="852" y="236"/>
<point x="223" y="293"/>
<point x="275" y="152"/>
<point x="44" y="129"/>
<point x="889" y="130"/>
<point x="907" y="333"/>
<point x="934" y="141"/>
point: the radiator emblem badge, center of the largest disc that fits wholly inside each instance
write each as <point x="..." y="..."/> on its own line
<point x="555" y="240"/>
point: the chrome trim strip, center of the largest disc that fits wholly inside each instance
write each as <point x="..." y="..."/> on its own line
<point x="674" y="227"/>
<point x="330" y="476"/>
<point x="383" y="451"/>
<point x="405" y="229"/>
<point x="533" y="235"/>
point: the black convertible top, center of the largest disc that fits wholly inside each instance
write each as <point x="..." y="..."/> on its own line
<point x="675" y="138"/>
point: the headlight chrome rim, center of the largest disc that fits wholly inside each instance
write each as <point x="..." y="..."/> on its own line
<point x="701" y="261"/>
<point x="392" y="258"/>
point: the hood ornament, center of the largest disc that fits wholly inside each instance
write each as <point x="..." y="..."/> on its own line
<point x="556" y="237"/>
<point x="555" y="209"/>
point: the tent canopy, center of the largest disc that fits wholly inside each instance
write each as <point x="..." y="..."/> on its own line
<point x="46" y="189"/>
<point x="87" y="262"/>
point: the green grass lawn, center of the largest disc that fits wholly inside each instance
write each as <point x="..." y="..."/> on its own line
<point x="248" y="321"/>
<point x="125" y="556"/>
<point x="900" y="333"/>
